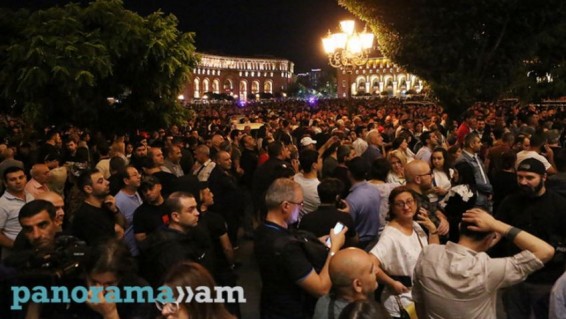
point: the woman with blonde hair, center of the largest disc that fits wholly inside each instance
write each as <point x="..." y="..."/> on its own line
<point x="397" y="160"/>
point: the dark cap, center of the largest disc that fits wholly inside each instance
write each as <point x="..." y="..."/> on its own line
<point x="532" y="165"/>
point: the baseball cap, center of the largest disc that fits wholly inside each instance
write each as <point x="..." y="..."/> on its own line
<point x="532" y="165"/>
<point x="307" y="141"/>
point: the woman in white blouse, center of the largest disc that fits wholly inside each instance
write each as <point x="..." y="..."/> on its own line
<point x="441" y="174"/>
<point x="399" y="246"/>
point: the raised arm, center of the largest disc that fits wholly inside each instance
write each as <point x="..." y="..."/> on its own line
<point x="524" y="240"/>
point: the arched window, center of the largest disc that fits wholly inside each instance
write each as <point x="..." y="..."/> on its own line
<point x="255" y="87"/>
<point x="228" y="86"/>
<point x="268" y="87"/>
<point x="196" y="88"/>
<point x="361" y="85"/>
<point x="243" y="90"/>
<point x="206" y="85"/>
<point x="216" y="86"/>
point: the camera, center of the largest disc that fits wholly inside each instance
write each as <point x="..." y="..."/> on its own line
<point x="57" y="263"/>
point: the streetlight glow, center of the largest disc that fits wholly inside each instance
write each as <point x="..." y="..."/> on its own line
<point x="348" y="26"/>
<point x="348" y="48"/>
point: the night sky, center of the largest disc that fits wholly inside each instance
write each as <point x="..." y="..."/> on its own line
<point x="289" y="29"/>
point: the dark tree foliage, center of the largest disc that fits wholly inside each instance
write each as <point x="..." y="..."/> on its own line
<point x="474" y="49"/>
<point x="61" y="64"/>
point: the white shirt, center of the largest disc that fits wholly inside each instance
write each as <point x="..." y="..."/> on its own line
<point x="456" y="282"/>
<point x="204" y="170"/>
<point x="398" y="254"/>
<point x="424" y="154"/>
<point x="10" y="206"/>
<point x="310" y="193"/>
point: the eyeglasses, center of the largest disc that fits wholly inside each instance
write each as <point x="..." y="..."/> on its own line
<point x="426" y="174"/>
<point x="300" y="204"/>
<point x="170" y="307"/>
<point x="408" y="203"/>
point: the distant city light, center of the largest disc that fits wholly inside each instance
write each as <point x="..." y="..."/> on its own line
<point x="312" y="101"/>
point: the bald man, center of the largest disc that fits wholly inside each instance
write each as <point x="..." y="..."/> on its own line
<point x="39" y="178"/>
<point x="419" y="179"/>
<point x="353" y="277"/>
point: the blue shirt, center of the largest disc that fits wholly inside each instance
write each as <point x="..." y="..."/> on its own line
<point x="364" y="201"/>
<point x="127" y="204"/>
<point x="371" y="154"/>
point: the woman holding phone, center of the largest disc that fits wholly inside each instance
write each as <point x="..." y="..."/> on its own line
<point x="399" y="246"/>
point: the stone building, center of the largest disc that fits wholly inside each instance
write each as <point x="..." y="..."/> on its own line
<point x="378" y="76"/>
<point x="239" y="77"/>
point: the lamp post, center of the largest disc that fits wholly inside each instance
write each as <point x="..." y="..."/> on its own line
<point x="348" y="48"/>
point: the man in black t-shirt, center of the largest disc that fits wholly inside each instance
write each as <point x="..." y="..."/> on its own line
<point x="215" y="225"/>
<point x="228" y="201"/>
<point x="97" y="218"/>
<point x="153" y="213"/>
<point x="265" y="174"/>
<point x="327" y="215"/>
<point x="51" y="147"/>
<point x="180" y="240"/>
<point x="289" y="280"/>
<point x="542" y="213"/>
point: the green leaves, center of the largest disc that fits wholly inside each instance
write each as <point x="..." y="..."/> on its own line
<point x="69" y="60"/>
<point x="467" y="50"/>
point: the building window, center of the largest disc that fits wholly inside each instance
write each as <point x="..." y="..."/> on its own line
<point x="268" y="87"/>
<point x="255" y="87"/>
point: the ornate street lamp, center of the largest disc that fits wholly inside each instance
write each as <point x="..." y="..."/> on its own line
<point x="348" y="48"/>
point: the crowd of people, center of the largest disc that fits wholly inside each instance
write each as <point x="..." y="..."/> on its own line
<point x="439" y="215"/>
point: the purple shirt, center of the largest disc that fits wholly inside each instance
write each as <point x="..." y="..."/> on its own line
<point x="364" y="201"/>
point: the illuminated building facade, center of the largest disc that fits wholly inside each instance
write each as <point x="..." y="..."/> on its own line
<point x="238" y="77"/>
<point x="378" y="76"/>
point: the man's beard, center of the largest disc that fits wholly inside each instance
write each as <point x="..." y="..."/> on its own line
<point x="529" y="191"/>
<point x="101" y="195"/>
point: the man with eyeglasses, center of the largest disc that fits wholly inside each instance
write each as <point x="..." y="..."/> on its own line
<point x="289" y="281"/>
<point x="419" y="179"/>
